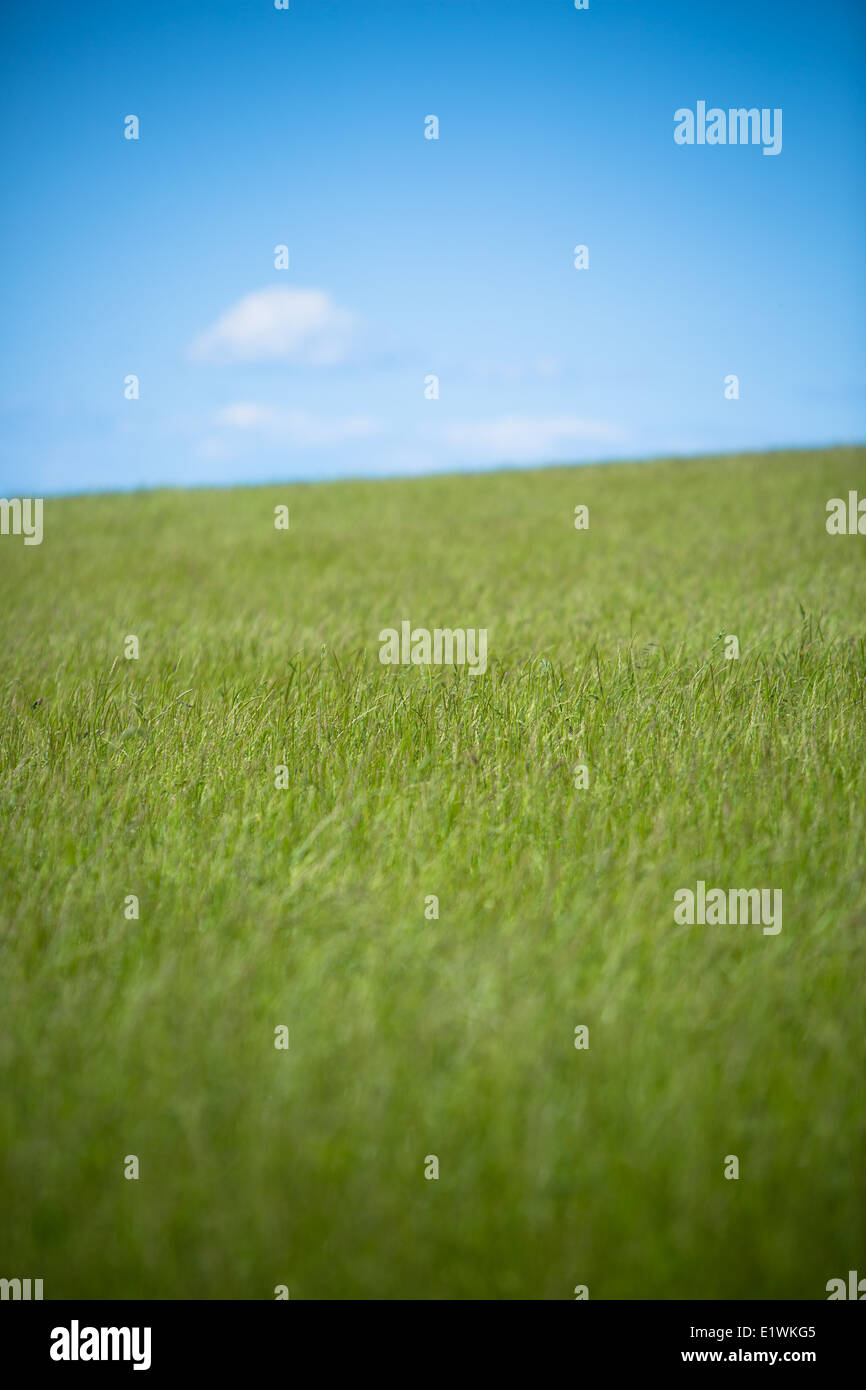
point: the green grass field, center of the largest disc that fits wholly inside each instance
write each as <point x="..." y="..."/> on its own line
<point x="305" y="906"/>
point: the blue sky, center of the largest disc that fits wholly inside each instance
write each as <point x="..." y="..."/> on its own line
<point x="411" y="257"/>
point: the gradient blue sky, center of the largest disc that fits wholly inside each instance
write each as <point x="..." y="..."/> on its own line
<point x="452" y="257"/>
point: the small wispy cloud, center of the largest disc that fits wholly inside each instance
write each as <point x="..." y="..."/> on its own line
<point x="296" y="429"/>
<point x="279" y="324"/>
<point x="524" y="438"/>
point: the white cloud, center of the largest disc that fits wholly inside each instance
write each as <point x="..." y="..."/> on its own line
<point x="279" y="325"/>
<point x="525" y="438"/>
<point x="295" y="429"/>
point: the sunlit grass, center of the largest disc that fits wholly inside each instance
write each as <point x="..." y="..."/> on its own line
<point x="305" y="906"/>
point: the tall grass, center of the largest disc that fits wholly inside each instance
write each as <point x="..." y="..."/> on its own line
<point x="306" y="906"/>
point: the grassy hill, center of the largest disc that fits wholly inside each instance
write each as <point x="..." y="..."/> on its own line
<point x="305" y="906"/>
